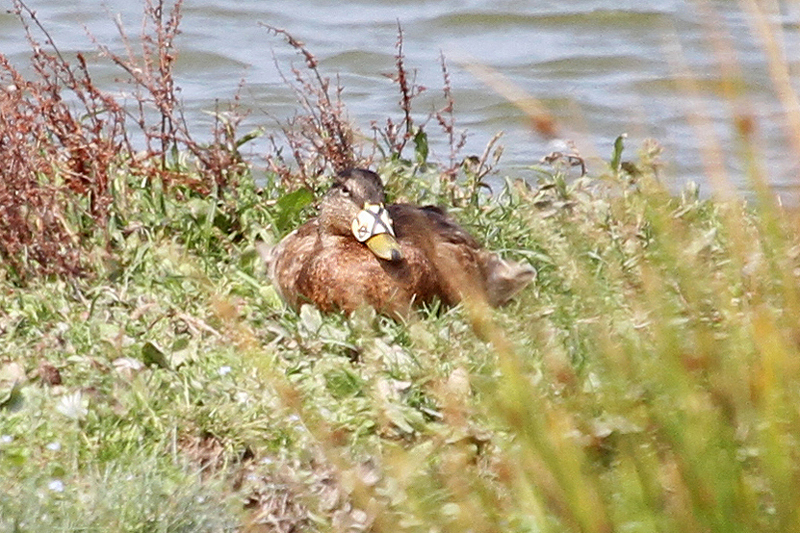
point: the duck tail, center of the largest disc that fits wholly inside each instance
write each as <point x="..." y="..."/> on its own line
<point x="504" y="279"/>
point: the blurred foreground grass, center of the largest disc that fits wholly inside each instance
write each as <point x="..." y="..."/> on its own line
<point x="647" y="381"/>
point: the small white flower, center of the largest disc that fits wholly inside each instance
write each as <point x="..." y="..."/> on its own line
<point x="224" y="370"/>
<point x="73" y="406"/>
<point x="5" y="439"/>
<point x="54" y="446"/>
<point x="56" y="485"/>
<point x="127" y="364"/>
<point x="242" y="397"/>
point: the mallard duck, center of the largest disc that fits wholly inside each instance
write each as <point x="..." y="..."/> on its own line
<point x="358" y="252"/>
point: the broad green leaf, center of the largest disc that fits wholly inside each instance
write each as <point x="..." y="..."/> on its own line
<point x="289" y="206"/>
<point x="152" y="355"/>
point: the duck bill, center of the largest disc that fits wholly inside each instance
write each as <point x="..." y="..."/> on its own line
<point x="385" y="246"/>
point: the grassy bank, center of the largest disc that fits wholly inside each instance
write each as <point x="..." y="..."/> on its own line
<point x="151" y="380"/>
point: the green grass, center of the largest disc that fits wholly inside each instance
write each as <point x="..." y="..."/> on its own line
<point x="647" y="381"/>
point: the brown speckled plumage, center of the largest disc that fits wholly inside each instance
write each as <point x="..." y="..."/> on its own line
<point x="323" y="264"/>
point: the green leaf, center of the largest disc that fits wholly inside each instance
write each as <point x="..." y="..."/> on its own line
<point x="616" y="156"/>
<point x="184" y="355"/>
<point x="152" y="355"/>
<point x="198" y="207"/>
<point x="421" y="146"/>
<point x="343" y="383"/>
<point x="289" y="206"/>
<point x="310" y="319"/>
<point x="255" y="134"/>
<point x="11" y="399"/>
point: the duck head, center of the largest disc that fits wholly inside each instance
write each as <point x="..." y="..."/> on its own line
<point x="354" y="206"/>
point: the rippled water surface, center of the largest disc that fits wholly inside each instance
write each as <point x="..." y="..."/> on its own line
<point x="602" y="67"/>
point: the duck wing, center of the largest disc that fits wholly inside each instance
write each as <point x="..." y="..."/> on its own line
<point x="429" y="222"/>
<point x="465" y="268"/>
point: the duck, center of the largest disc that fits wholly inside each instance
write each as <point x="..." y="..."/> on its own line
<point x="358" y="251"/>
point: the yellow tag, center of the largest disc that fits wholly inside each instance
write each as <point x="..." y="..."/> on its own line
<point x="372" y="220"/>
<point x="373" y="226"/>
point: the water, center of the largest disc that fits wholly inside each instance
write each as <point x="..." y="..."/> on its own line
<point x="601" y="67"/>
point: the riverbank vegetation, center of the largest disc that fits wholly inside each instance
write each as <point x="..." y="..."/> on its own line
<point x="151" y="380"/>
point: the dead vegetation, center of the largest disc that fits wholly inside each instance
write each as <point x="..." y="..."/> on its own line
<point x="63" y="141"/>
<point x="321" y="137"/>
